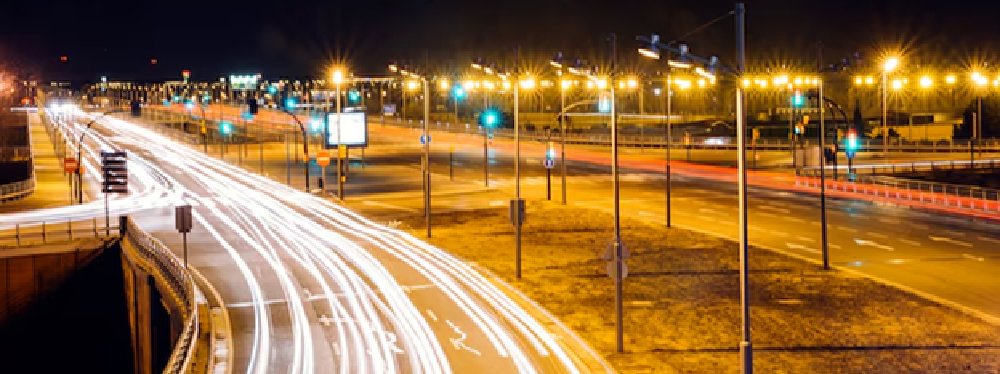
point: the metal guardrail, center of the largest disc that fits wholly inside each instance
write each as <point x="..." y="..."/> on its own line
<point x="17" y="190"/>
<point x="180" y="281"/>
<point x="943" y="194"/>
<point x="51" y="231"/>
<point x="653" y="138"/>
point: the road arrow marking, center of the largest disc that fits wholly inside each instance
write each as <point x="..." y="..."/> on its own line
<point x="949" y="240"/>
<point x="873" y="244"/>
<point x="987" y="239"/>
<point x="974" y="258"/>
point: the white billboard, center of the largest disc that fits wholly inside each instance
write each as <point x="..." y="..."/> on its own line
<point x="352" y="133"/>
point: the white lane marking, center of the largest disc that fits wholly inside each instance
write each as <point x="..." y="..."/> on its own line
<point x="805" y="239"/>
<point x="974" y="258"/>
<point x="919" y="226"/>
<point x="954" y="233"/>
<point x="873" y="244"/>
<point x="949" y="240"/>
<point x="890" y="220"/>
<point x="408" y="289"/>
<point x="779" y="233"/>
<point x="802" y="247"/>
<point x="910" y="242"/>
<point x="390" y="206"/>
<point x="766" y="214"/>
<point x="498" y="203"/>
<point x="775" y="209"/>
<point x="988" y="239"/>
<point x="878" y="235"/>
<point x="845" y="228"/>
<point x="756" y="228"/>
<point x="834" y="246"/>
<point x="430" y="313"/>
<point x="646" y="214"/>
<point x="710" y="211"/>
<point x="459" y="343"/>
<point x="795" y="219"/>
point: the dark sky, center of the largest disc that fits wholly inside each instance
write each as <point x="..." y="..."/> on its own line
<point x="289" y="38"/>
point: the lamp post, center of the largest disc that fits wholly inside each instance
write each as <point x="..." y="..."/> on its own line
<point x="890" y="64"/>
<point x="426" y="162"/>
<point x="338" y="79"/>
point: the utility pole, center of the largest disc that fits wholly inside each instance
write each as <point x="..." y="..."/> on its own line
<point x="517" y="160"/>
<point x="562" y="130"/>
<point x="427" y="155"/>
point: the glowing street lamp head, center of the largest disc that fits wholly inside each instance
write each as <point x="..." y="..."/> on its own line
<point x="528" y="83"/>
<point x="890" y="64"/>
<point x="926" y="82"/>
<point x="338" y="76"/>
<point x="897" y="84"/>
<point x="949" y="79"/>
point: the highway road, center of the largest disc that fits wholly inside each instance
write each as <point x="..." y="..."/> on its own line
<point x="946" y="256"/>
<point x="315" y="288"/>
<point x="950" y="257"/>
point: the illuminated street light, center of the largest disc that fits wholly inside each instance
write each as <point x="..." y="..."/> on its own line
<point x="412" y="85"/>
<point x="338" y="76"/>
<point x="890" y="64"/>
<point x="469" y="85"/>
<point x="444" y="84"/>
<point x="950" y="79"/>
<point x="528" y="83"/>
<point x="926" y="82"/>
<point x="897" y="84"/>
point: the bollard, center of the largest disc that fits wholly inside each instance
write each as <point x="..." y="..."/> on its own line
<point x="122" y="225"/>
<point x="43" y="233"/>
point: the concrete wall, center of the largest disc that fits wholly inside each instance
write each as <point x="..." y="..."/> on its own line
<point x="29" y="273"/>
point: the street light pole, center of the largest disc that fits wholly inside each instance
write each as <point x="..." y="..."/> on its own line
<point x="517" y="161"/>
<point x="562" y="130"/>
<point x="619" y="264"/>
<point x="822" y="166"/>
<point x="669" y="137"/>
<point x="746" y="347"/>
<point x="427" y="155"/>
<point x="340" y="167"/>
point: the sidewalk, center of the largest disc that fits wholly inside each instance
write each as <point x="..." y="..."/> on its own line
<point x="52" y="184"/>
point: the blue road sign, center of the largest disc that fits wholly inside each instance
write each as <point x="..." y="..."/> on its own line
<point x="423" y="140"/>
<point x="549" y="163"/>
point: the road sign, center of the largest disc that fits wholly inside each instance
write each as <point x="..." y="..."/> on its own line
<point x="389" y="109"/>
<point x="516" y="212"/>
<point x="424" y="139"/>
<point x="70" y="164"/>
<point x="323" y="158"/>
<point x="549" y="163"/>
<point x="182" y="218"/>
<point x="115" y="170"/>
<point x="609" y="253"/>
<point x="612" y="269"/>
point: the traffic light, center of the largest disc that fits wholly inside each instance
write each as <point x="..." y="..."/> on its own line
<point x="225" y="128"/>
<point x="290" y="103"/>
<point x="459" y="93"/>
<point x="550" y="152"/>
<point x="797" y="99"/>
<point x="852" y="143"/>
<point x="188" y="104"/>
<point x="489" y="118"/>
<point x="353" y="97"/>
<point x="604" y="102"/>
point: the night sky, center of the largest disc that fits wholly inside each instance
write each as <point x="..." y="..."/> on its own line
<point x="298" y="39"/>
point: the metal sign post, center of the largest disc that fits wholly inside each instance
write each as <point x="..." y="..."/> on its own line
<point x="517" y="217"/>
<point x="115" y="170"/>
<point x="183" y="223"/>
<point x="549" y="163"/>
<point x="323" y="159"/>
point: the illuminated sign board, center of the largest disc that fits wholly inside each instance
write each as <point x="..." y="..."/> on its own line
<point x="243" y="82"/>
<point x="353" y="130"/>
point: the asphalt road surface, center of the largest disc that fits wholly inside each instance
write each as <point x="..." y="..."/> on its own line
<point x="312" y="287"/>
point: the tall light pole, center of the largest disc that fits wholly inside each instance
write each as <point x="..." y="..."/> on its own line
<point x="338" y="79"/>
<point x="822" y="165"/>
<point x="669" y="92"/>
<point x="427" y="154"/>
<point x="563" y="85"/>
<point x="890" y="64"/>
<point x="746" y="346"/>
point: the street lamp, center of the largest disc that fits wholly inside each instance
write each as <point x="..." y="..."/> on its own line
<point x="888" y="66"/>
<point x="557" y="63"/>
<point x="746" y="346"/>
<point x="426" y="173"/>
<point x="338" y="78"/>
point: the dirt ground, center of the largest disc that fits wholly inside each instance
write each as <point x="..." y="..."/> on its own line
<point x="682" y="301"/>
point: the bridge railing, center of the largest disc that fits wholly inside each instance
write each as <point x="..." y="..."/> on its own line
<point x="178" y="279"/>
<point x="941" y="194"/>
